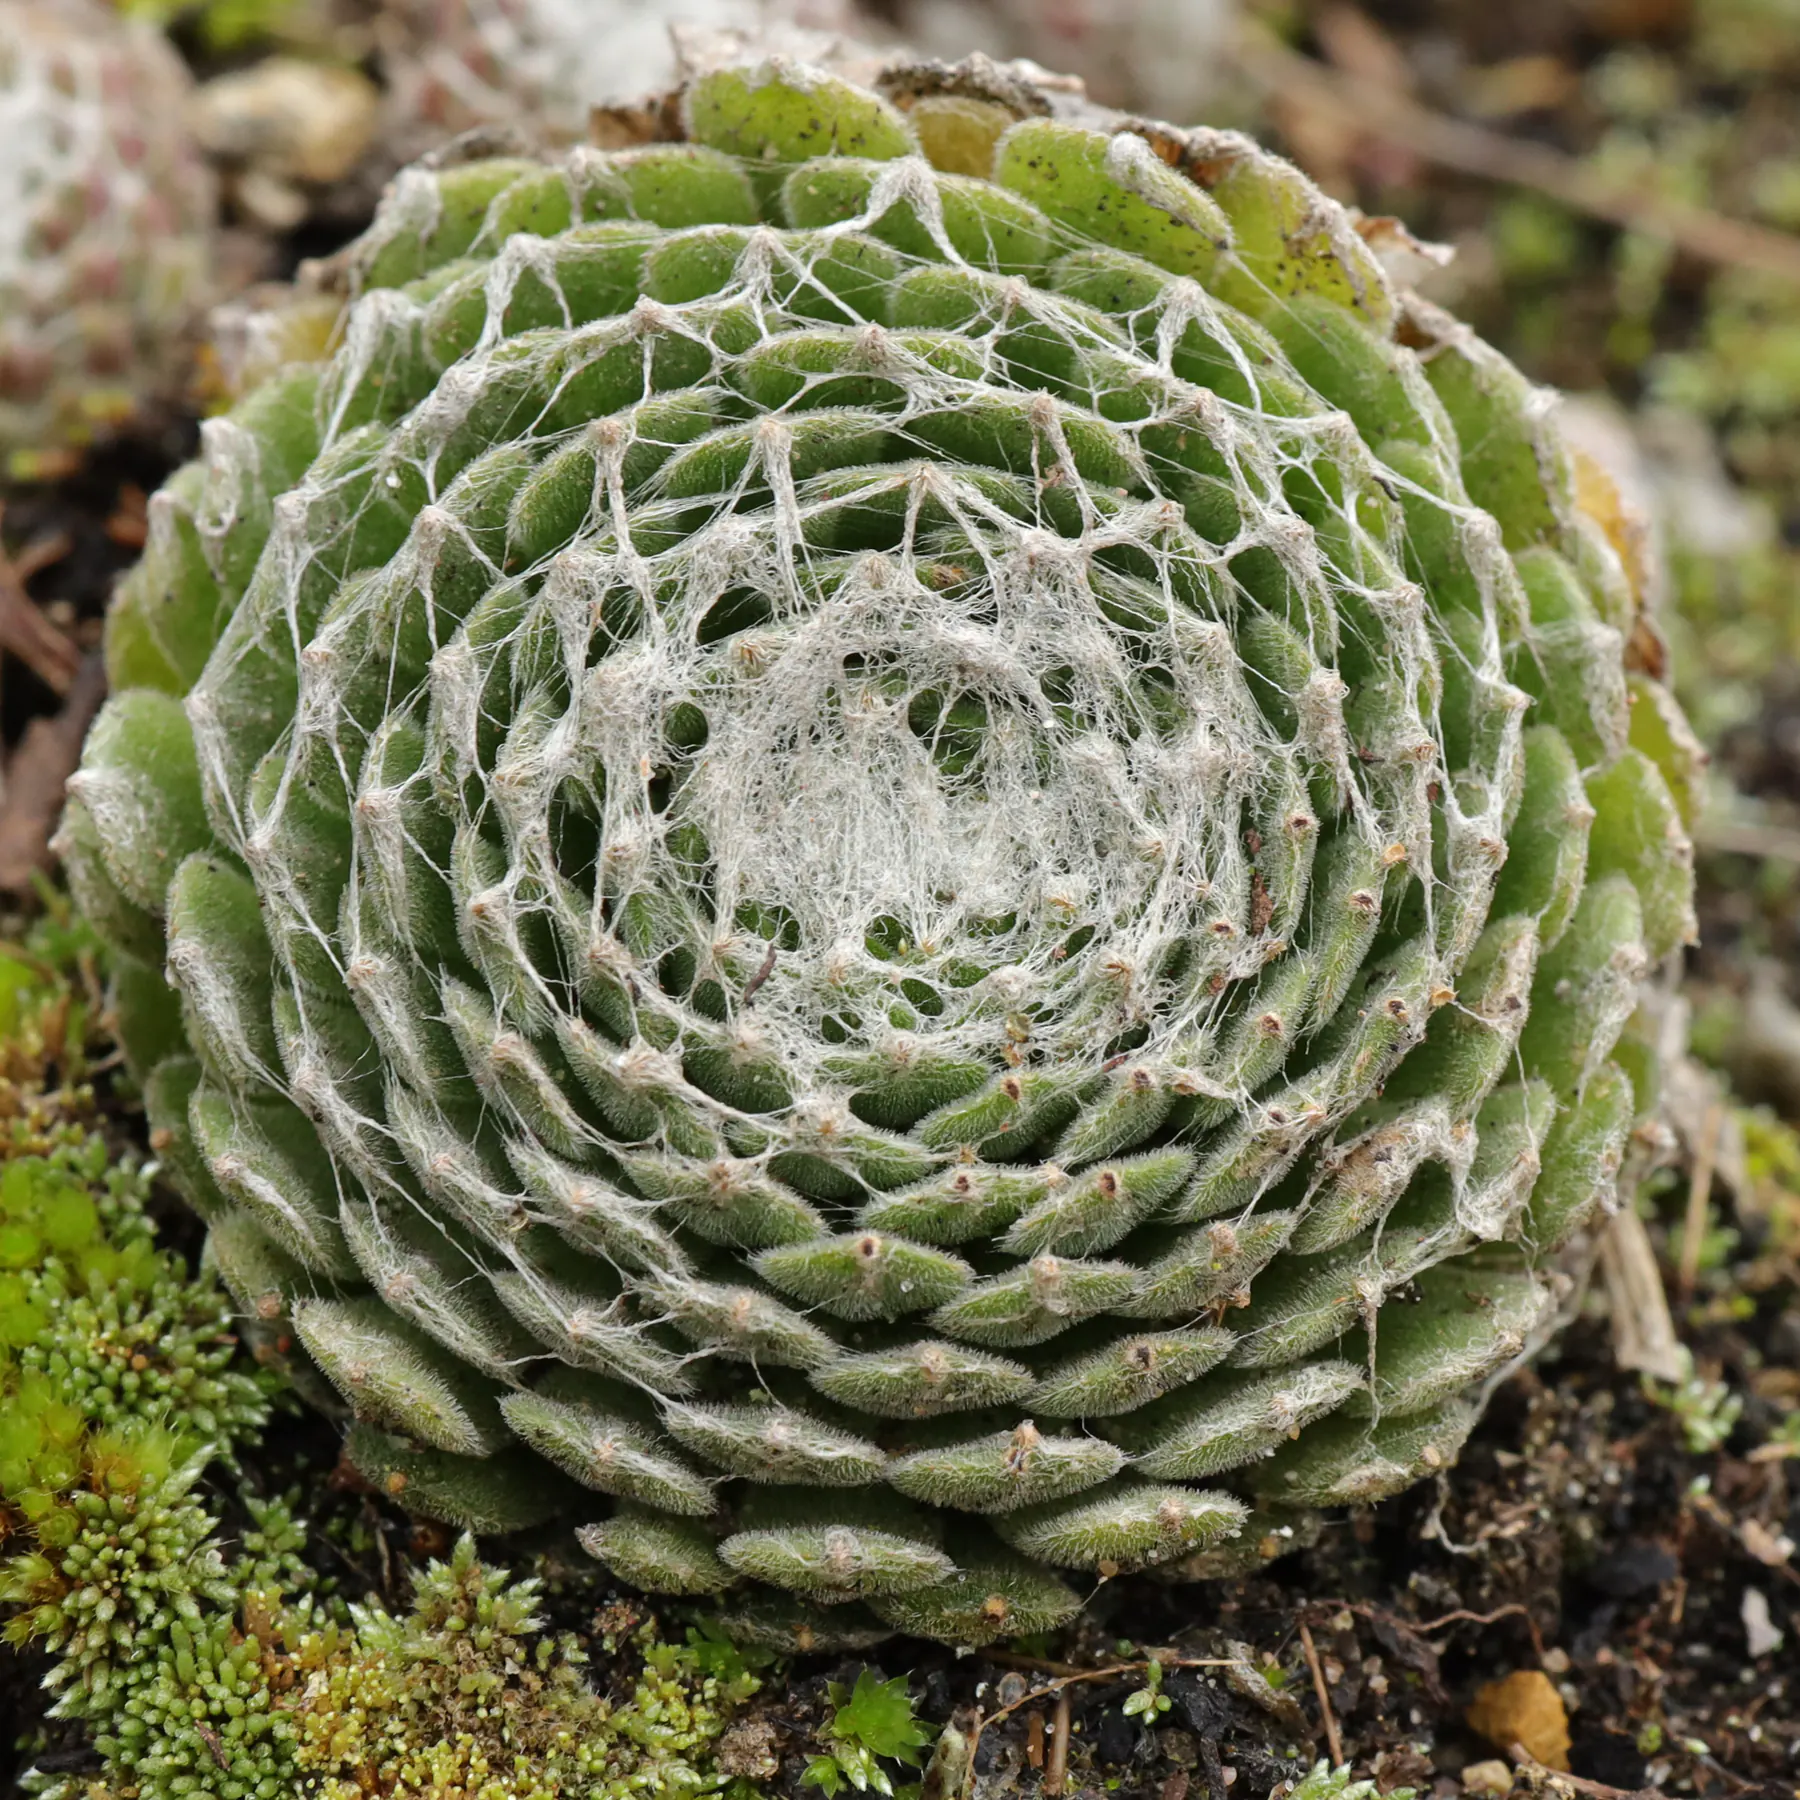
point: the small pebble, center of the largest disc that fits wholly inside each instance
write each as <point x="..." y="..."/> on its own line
<point x="285" y="125"/>
<point x="1761" y="1633"/>
<point x="1524" y="1709"/>
<point x="1492" y="1777"/>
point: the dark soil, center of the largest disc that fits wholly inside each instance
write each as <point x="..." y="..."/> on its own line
<point x="1577" y="1536"/>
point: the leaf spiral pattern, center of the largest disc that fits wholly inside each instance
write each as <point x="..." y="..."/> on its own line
<point x="909" y="833"/>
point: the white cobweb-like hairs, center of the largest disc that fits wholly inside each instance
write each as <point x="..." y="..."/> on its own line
<point x="877" y="818"/>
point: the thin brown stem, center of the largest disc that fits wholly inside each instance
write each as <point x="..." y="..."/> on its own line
<point x="1540" y="1773"/>
<point x="37" y="774"/>
<point x="1462" y="1616"/>
<point x="1039" y="1665"/>
<point x="1056" y="1756"/>
<point x="1333" y="1742"/>
<point x="49" y="653"/>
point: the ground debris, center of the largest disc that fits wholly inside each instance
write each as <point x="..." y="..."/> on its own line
<point x="36" y="774"/>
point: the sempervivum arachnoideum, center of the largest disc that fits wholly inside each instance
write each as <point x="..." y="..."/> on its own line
<point x="908" y="833"/>
<point x="106" y="215"/>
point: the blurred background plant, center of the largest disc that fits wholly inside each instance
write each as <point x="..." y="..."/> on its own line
<point x="106" y="212"/>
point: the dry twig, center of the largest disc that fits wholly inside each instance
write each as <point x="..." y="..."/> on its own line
<point x="1038" y="1665"/>
<point x="50" y="654"/>
<point x="1462" y="1616"/>
<point x="40" y="768"/>
<point x="1751" y="1536"/>
<point x="1333" y="1742"/>
<point x="1056" y="1758"/>
<point x="1744" y="837"/>
<point x="1700" y="1179"/>
<point x="1538" y="1774"/>
<point x="1643" y="1332"/>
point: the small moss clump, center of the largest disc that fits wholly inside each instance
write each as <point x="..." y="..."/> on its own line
<point x="471" y="1694"/>
<point x="236" y="1691"/>
<point x="120" y="1383"/>
<point x="116" y="1365"/>
<point x="201" y="1718"/>
<point x="101" y="1330"/>
<point x="117" y="1562"/>
<point x="50" y="1018"/>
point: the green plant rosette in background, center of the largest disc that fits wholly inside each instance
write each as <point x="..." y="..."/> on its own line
<point x="898" y="853"/>
<point x="106" y="221"/>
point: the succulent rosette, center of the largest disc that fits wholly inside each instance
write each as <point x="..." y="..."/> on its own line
<point x="898" y="850"/>
<point x="106" y="215"/>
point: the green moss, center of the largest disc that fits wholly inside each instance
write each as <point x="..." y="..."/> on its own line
<point x="204" y="1708"/>
<point x="470" y="1693"/>
<point x="120" y="1382"/>
<point x="101" y="1331"/>
<point x="118" y="1563"/>
<point x="50" y="1022"/>
<point x="214" y="1664"/>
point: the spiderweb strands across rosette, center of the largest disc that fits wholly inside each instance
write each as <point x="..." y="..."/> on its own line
<point x="908" y="834"/>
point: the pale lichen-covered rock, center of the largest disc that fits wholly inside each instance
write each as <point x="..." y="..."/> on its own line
<point x="899" y="847"/>
<point x="540" y="66"/>
<point x="286" y="130"/>
<point x="106" y="210"/>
